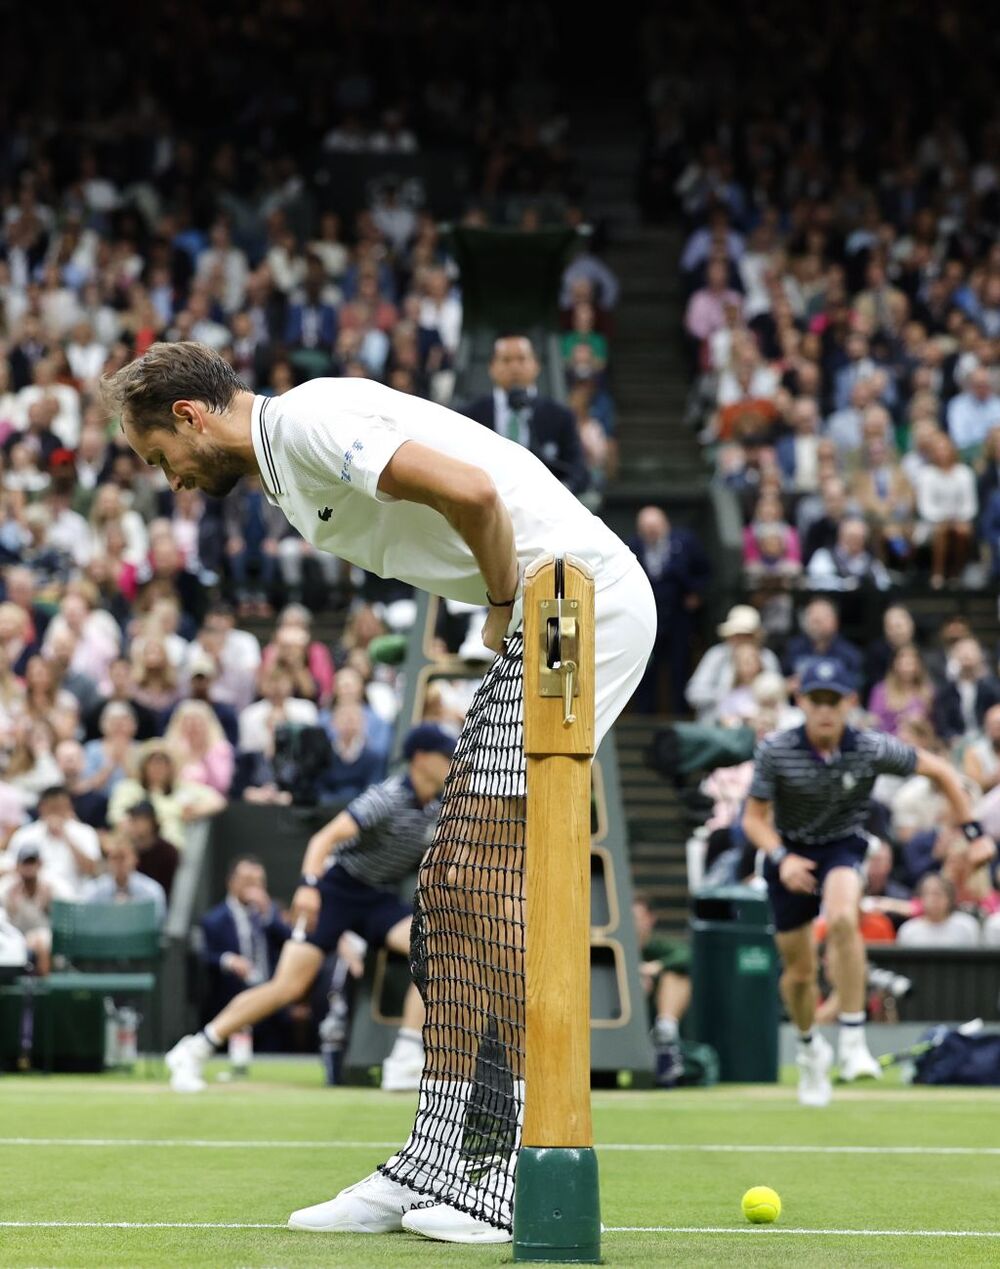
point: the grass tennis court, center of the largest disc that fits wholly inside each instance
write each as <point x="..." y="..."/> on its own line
<point x="210" y="1180"/>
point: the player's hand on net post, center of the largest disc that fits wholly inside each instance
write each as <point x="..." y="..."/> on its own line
<point x="503" y="620"/>
<point x="495" y="627"/>
<point x="305" y="906"/>
<point x="796" y="873"/>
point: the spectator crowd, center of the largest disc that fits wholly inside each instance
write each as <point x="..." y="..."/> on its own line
<point x="161" y="653"/>
<point x="839" y="258"/>
<point x="843" y="294"/>
<point x="939" y="693"/>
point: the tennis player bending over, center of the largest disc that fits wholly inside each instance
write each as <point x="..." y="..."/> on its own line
<point x="409" y="489"/>
<point x="806" y="810"/>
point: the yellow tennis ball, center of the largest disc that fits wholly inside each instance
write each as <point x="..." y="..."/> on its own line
<point x="761" y="1205"/>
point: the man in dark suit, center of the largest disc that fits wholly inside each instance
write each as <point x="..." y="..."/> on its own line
<point x="677" y="566"/>
<point x="242" y="939"/>
<point x="516" y="410"/>
<point x="820" y="637"/>
<point x="970" y="690"/>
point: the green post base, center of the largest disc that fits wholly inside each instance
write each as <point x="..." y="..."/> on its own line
<point x="557" y="1206"/>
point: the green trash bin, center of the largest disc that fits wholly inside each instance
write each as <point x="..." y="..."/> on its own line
<point x="734" y="980"/>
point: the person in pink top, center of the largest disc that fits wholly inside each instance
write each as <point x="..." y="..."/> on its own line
<point x="304" y="657"/>
<point x="771" y="547"/>
<point x="904" y="694"/>
<point x="199" y="745"/>
<point x="706" y="309"/>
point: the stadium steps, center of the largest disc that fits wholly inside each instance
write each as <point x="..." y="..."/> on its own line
<point x="649" y="374"/>
<point x="658" y="824"/>
<point x="606" y="142"/>
<point x="327" y="627"/>
<point x="931" y="608"/>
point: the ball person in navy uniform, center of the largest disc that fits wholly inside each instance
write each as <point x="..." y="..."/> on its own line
<point x="806" y="808"/>
<point x="350" y="875"/>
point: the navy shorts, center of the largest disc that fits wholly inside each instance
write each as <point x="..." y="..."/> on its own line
<point x="792" y="910"/>
<point x="349" y="904"/>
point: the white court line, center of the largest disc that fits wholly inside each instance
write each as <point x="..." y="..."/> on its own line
<point x="761" y="1231"/>
<point x="136" y="1225"/>
<point x="704" y="1148"/>
<point x="195" y="1144"/>
<point x="755" y="1231"/>
<point x="601" y="1147"/>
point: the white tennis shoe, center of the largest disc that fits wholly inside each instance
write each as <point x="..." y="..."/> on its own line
<point x="447" y="1224"/>
<point x="185" y="1062"/>
<point x="401" y="1073"/>
<point x="814" y="1061"/>
<point x="856" y="1062"/>
<point x="375" y="1205"/>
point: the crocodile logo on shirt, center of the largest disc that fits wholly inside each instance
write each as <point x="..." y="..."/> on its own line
<point x="325" y="514"/>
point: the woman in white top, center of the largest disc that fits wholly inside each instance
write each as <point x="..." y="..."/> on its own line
<point x="940" y="925"/>
<point x="110" y="507"/>
<point x="981" y="760"/>
<point x="947" y="503"/>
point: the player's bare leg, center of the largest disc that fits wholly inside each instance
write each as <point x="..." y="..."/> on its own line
<point x="403" y="1067"/>
<point x="472" y="889"/>
<point x="848" y="971"/>
<point x="673" y="996"/>
<point x="294" y="974"/>
<point x="297" y="967"/>
<point x="798" y="976"/>
<point x="798" y="990"/>
<point x="467" y="949"/>
<point x="377" y="1204"/>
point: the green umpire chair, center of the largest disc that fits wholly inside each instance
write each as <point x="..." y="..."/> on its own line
<point x="107" y="948"/>
<point x="510" y="285"/>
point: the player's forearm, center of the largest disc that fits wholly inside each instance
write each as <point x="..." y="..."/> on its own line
<point x="314" y="860"/>
<point x="488" y="531"/>
<point x="949" y="784"/>
<point x="981" y="848"/>
<point x="321" y="844"/>
<point x="760" y="832"/>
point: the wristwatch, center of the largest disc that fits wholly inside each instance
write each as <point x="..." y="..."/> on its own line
<point x="309" y="879"/>
<point x="972" y="830"/>
<point x="777" y="855"/>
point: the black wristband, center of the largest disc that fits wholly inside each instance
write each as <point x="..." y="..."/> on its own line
<point x="503" y="603"/>
<point x="972" y="830"/>
<point x="309" y="879"/>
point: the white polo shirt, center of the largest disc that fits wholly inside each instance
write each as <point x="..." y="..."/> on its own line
<point x="59" y="864"/>
<point x="322" y="447"/>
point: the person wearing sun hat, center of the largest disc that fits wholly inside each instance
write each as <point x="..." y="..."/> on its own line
<point x="713" y="677"/>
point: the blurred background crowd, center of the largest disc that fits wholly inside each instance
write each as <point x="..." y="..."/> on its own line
<point x="835" y="182"/>
<point x="836" y="214"/>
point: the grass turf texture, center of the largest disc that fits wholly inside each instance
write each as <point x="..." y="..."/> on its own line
<point x="687" y="1185"/>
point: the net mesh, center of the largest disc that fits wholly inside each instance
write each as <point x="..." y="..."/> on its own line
<point x="467" y="948"/>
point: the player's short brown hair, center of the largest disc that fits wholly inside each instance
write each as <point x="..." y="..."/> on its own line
<point x="146" y="389"/>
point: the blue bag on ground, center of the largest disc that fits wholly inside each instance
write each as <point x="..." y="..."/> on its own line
<point x="961" y="1059"/>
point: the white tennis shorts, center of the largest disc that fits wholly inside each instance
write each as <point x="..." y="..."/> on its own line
<point x="491" y="749"/>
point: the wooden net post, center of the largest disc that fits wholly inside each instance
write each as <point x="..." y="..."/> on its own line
<point x="557" y="1205"/>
